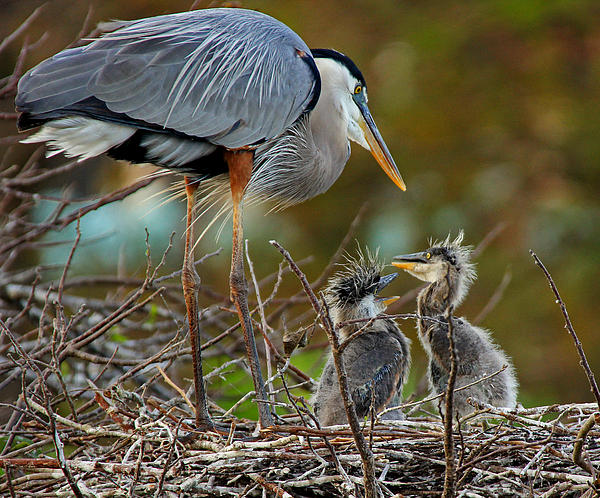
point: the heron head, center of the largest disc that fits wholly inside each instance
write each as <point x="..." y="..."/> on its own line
<point x="351" y="93"/>
<point x="353" y="292"/>
<point x="446" y="259"/>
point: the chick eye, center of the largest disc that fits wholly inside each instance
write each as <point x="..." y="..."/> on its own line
<point x="357" y="89"/>
<point x="428" y="255"/>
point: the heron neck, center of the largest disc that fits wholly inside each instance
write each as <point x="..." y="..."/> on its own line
<point x="308" y="157"/>
<point x="437" y="296"/>
<point x="328" y="121"/>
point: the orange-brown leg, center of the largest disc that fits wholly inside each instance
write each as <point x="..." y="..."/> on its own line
<point x="240" y="168"/>
<point x="190" y="282"/>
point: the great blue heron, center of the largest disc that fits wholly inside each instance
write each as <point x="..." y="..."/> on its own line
<point x="447" y="267"/>
<point x="232" y="97"/>
<point x="377" y="361"/>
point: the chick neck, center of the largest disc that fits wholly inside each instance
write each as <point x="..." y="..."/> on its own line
<point x="437" y="296"/>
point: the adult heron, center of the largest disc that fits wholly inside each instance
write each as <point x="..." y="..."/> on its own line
<point x="229" y="97"/>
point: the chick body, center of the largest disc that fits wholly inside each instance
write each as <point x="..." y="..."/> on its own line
<point x="377" y="361"/>
<point x="448" y="269"/>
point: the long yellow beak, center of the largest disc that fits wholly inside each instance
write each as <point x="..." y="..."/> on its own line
<point x="377" y="146"/>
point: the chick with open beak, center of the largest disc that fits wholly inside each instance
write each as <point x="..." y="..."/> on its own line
<point x="378" y="360"/>
<point x="447" y="267"/>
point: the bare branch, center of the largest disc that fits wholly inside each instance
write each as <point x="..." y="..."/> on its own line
<point x="368" y="464"/>
<point x="569" y="326"/>
<point x="450" y="473"/>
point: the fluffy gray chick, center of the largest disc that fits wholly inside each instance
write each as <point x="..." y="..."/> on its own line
<point x="447" y="267"/>
<point x="377" y="361"/>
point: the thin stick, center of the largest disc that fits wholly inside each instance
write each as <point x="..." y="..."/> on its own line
<point x="177" y="388"/>
<point x="495" y="299"/>
<point x="22" y="28"/>
<point x="52" y="416"/>
<point x="166" y="468"/>
<point x="569" y="326"/>
<point x="578" y="457"/>
<point x="487" y="240"/>
<point x="261" y="311"/>
<point x="366" y="455"/>
<point x="450" y="473"/>
<point x="441" y="395"/>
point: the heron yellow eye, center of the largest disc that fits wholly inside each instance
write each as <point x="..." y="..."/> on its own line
<point x="428" y="255"/>
<point x="357" y="89"/>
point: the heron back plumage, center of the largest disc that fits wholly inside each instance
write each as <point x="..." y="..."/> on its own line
<point x="231" y="77"/>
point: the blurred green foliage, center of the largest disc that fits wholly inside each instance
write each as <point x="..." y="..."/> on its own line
<point x="491" y="109"/>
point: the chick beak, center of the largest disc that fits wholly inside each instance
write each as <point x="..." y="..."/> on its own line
<point x="403" y="265"/>
<point x="377" y="146"/>
<point x="389" y="300"/>
<point x="408" y="261"/>
<point x="385" y="281"/>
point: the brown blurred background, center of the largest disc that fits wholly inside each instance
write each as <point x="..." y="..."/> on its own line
<point x="492" y="112"/>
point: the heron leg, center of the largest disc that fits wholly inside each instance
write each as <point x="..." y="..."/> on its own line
<point x="240" y="168"/>
<point x="190" y="282"/>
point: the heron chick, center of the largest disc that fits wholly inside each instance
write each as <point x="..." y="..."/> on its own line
<point x="377" y="360"/>
<point x="448" y="269"/>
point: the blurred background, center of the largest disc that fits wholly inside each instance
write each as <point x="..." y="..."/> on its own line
<point x="491" y="110"/>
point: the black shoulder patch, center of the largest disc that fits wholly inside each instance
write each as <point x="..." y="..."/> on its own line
<point x="316" y="93"/>
<point x="327" y="53"/>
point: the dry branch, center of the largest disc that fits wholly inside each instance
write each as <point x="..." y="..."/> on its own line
<point x="450" y="473"/>
<point x="569" y="326"/>
<point x="370" y="483"/>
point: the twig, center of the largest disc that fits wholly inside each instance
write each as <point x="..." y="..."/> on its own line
<point x="368" y="463"/>
<point x="511" y="415"/>
<point x="569" y="326"/>
<point x="363" y="330"/>
<point x="136" y="475"/>
<point x="294" y="267"/>
<point x="85" y="428"/>
<point x="441" y="395"/>
<point x="578" y="457"/>
<point x="22" y="28"/>
<point x="270" y="487"/>
<point x="52" y="416"/>
<point x="68" y="219"/>
<point x="299" y="412"/>
<point x="487" y="240"/>
<point x="402" y="316"/>
<point x="166" y="468"/>
<point x="342" y="247"/>
<point x="450" y="472"/>
<point x="495" y="298"/>
<point x="177" y="388"/>
<point x="11" y="490"/>
<point x="261" y="311"/>
<point x="110" y="410"/>
<point x="336" y="460"/>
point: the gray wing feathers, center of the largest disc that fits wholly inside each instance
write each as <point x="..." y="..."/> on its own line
<point x="231" y="76"/>
<point x="57" y="82"/>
